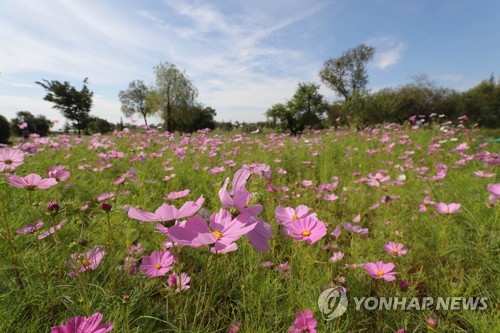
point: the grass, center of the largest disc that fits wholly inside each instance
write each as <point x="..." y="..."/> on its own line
<point x="448" y="255"/>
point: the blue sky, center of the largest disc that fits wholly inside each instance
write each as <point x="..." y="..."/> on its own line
<point x="243" y="56"/>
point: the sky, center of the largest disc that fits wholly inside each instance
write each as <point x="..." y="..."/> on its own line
<point x="243" y="56"/>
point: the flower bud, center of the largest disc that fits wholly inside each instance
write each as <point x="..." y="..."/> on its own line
<point x="53" y="207"/>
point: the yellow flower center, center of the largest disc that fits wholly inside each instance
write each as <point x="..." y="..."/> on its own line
<point x="158" y="266"/>
<point x="395" y="251"/>
<point x="85" y="263"/>
<point x="295" y="217"/>
<point x="217" y="234"/>
<point x="447" y="211"/>
<point x="306" y="233"/>
<point x="380" y="273"/>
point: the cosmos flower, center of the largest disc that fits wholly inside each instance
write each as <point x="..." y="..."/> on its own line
<point x="83" y="325"/>
<point x="81" y="262"/>
<point x="379" y="270"/>
<point x="308" y="229"/>
<point x="157" y="263"/>
<point x="31" y="182"/>
<point x="166" y="212"/>
<point x="395" y="249"/>
<point x="30" y="228"/>
<point x="286" y="215"/>
<point x="179" y="283"/>
<point x="444" y="208"/>
<point x="304" y="322"/>
<point x="10" y="159"/>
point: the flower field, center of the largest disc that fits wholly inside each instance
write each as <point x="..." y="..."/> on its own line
<point x="241" y="232"/>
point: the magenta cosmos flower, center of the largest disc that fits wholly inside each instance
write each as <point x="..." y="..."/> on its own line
<point x="395" y="249"/>
<point x="83" y="325"/>
<point x="166" y="212"/>
<point x="307" y="229"/>
<point x="157" y="263"/>
<point x="179" y="283"/>
<point x="304" y="322"/>
<point x="451" y="208"/>
<point x="223" y="231"/>
<point x="82" y="262"/>
<point x="238" y="197"/>
<point x="58" y="172"/>
<point x="379" y="270"/>
<point x="31" y="182"/>
<point x="10" y="159"/>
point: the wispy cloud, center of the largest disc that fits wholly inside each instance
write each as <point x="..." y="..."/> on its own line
<point x="389" y="51"/>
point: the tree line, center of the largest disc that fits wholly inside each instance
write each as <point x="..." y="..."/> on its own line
<point x="347" y="77"/>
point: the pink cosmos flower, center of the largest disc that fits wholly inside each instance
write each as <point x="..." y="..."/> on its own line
<point x="308" y="229"/>
<point x="166" y="212"/>
<point x="259" y="236"/>
<point x="336" y="232"/>
<point x="337" y="256"/>
<point x="82" y="262"/>
<point x="52" y="230"/>
<point x="395" y="249"/>
<point x="379" y="270"/>
<point x="238" y="197"/>
<point x="355" y="228"/>
<point x="58" y="173"/>
<point x="495" y="192"/>
<point x="286" y="215"/>
<point x="83" y="325"/>
<point x="179" y="283"/>
<point x="30" y="228"/>
<point x="223" y="231"/>
<point x="10" y="159"/>
<point x="451" y="208"/>
<point x="105" y="196"/>
<point x="157" y="263"/>
<point x="31" y="182"/>
<point x="304" y="322"/>
<point x="177" y="195"/>
<point x="484" y="174"/>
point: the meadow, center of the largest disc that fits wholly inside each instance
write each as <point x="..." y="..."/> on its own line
<point x="242" y="254"/>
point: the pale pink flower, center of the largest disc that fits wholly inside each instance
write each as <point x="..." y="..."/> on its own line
<point x="105" y="196"/>
<point x="307" y="229"/>
<point x="495" y="192"/>
<point x="444" y="208"/>
<point x="355" y="228"/>
<point x="179" y="283"/>
<point x="336" y="232"/>
<point x="52" y="230"/>
<point x="31" y="182"/>
<point x="82" y="262"/>
<point x="286" y="215"/>
<point x="395" y="249"/>
<point x="10" y="159"/>
<point x="484" y="174"/>
<point x="58" y="173"/>
<point x="166" y="212"/>
<point x="177" y="195"/>
<point x="379" y="270"/>
<point x="337" y="256"/>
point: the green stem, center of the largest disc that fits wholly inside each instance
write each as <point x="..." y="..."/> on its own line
<point x="12" y="251"/>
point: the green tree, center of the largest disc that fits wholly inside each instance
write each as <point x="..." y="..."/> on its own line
<point x="4" y="129"/>
<point x="306" y="108"/>
<point x="99" y="125"/>
<point x="176" y="93"/>
<point x="482" y="103"/>
<point x="347" y="75"/>
<point x="39" y="124"/>
<point x="134" y="100"/>
<point x="195" y="118"/>
<point x="74" y="104"/>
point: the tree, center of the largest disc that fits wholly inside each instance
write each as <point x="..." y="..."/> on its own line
<point x="195" y="118"/>
<point x="134" y="100"/>
<point x="346" y="74"/>
<point x="39" y="124"/>
<point x="4" y="129"/>
<point x="99" y="125"/>
<point x="176" y="93"/>
<point x="74" y="105"/>
<point x="306" y="108"/>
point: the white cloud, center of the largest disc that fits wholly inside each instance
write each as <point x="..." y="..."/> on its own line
<point x="390" y="57"/>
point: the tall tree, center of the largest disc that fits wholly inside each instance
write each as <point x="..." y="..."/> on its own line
<point x="39" y="124"/>
<point x="74" y="104"/>
<point x="175" y="91"/>
<point x="134" y="100"/>
<point x="346" y="75"/>
<point x="306" y="108"/>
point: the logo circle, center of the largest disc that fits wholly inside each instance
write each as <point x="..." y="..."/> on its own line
<point x="333" y="302"/>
